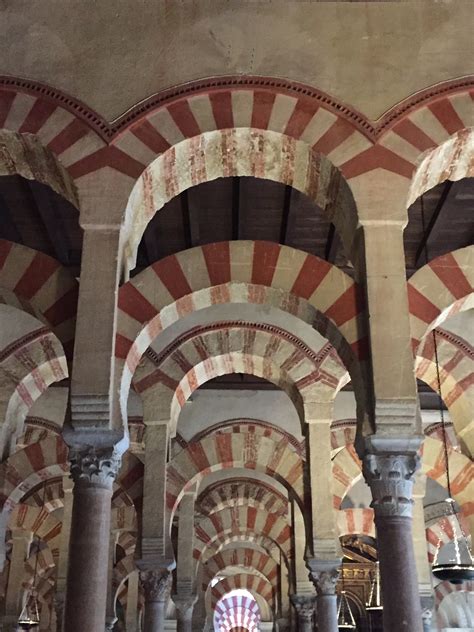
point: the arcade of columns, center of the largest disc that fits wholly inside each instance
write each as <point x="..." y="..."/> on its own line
<point x="133" y="526"/>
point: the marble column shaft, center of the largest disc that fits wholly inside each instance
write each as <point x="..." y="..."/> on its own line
<point x="304" y="606"/>
<point x="93" y="472"/>
<point x="390" y="477"/>
<point x="157" y="587"/>
<point x="325" y="574"/>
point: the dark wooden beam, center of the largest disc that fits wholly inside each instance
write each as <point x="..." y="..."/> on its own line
<point x="285" y="214"/>
<point x="188" y="241"/>
<point x="8" y="228"/>
<point x="151" y="243"/>
<point x="235" y="208"/>
<point x="332" y="244"/>
<point x="42" y="198"/>
<point x="449" y="191"/>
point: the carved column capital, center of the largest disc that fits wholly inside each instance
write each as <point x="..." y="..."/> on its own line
<point x="305" y="606"/>
<point x="94" y="466"/>
<point x="185" y="605"/>
<point x="390" y="477"/>
<point x="156" y="584"/>
<point x="324" y="575"/>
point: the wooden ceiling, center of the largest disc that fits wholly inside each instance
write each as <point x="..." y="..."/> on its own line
<point x="234" y="208"/>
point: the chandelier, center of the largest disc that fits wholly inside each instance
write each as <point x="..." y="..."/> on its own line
<point x="345" y="618"/>
<point x="375" y="597"/>
<point x="29" y="616"/>
<point x="460" y="568"/>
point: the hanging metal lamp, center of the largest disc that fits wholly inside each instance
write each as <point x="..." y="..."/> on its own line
<point x="460" y="568"/>
<point x="29" y="616"/>
<point x="375" y="597"/>
<point x="345" y="617"/>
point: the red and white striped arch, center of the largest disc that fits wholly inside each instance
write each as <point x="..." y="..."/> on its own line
<point x="77" y="134"/>
<point x="87" y="144"/>
<point x="244" y="580"/>
<point x="224" y="153"/>
<point x="29" y="363"/>
<point x="247" y="558"/>
<point x="167" y="382"/>
<point x="38" y="284"/>
<point x="233" y="450"/>
<point x="441" y="288"/>
<point x="357" y="521"/>
<point x="244" y="271"/>
<point x="252" y="540"/>
<point x="24" y="470"/>
<point x="25" y="156"/>
<point x="452" y="160"/>
<point x="254" y="426"/>
<point x="445" y="530"/>
<point x="236" y="492"/>
<point x="37" y="520"/>
<point x="236" y="611"/>
<point x="455" y="362"/>
<point x="246" y="523"/>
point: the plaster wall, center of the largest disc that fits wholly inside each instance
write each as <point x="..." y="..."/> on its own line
<point x="112" y="54"/>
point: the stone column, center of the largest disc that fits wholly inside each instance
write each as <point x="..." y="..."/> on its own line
<point x="389" y="465"/>
<point x="184" y="612"/>
<point x="325" y="540"/>
<point x="93" y="472"/>
<point x="131" y="616"/>
<point x="185" y="596"/>
<point x="284" y="618"/>
<point x="155" y="538"/>
<point x="325" y="574"/>
<point x="157" y="587"/>
<point x="14" y="594"/>
<point x="304" y="606"/>
<point x="110" y="616"/>
<point x="423" y="567"/>
<point x="61" y="577"/>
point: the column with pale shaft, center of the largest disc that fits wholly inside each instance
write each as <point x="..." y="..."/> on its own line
<point x="93" y="472"/>
<point x="156" y="587"/>
<point x="389" y="472"/>
<point x="423" y="567"/>
<point x="21" y="542"/>
<point x="325" y="574"/>
<point x="156" y="558"/>
<point x="304" y="599"/>
<point x="131" y="615"/>
<point x="185" y="596"/>
<point x="325" y="559"/>
<point x="284" y="613"/>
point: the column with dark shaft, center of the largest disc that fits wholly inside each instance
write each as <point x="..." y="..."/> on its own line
<point x="157" y="588"/>
<point x="389" y="472"/>
<point x="325" y="574"/>
<point x="93" y="472"/>
<point x="304" y="606"/>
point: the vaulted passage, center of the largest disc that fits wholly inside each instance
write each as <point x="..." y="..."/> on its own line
<point x="236" y="316"/>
